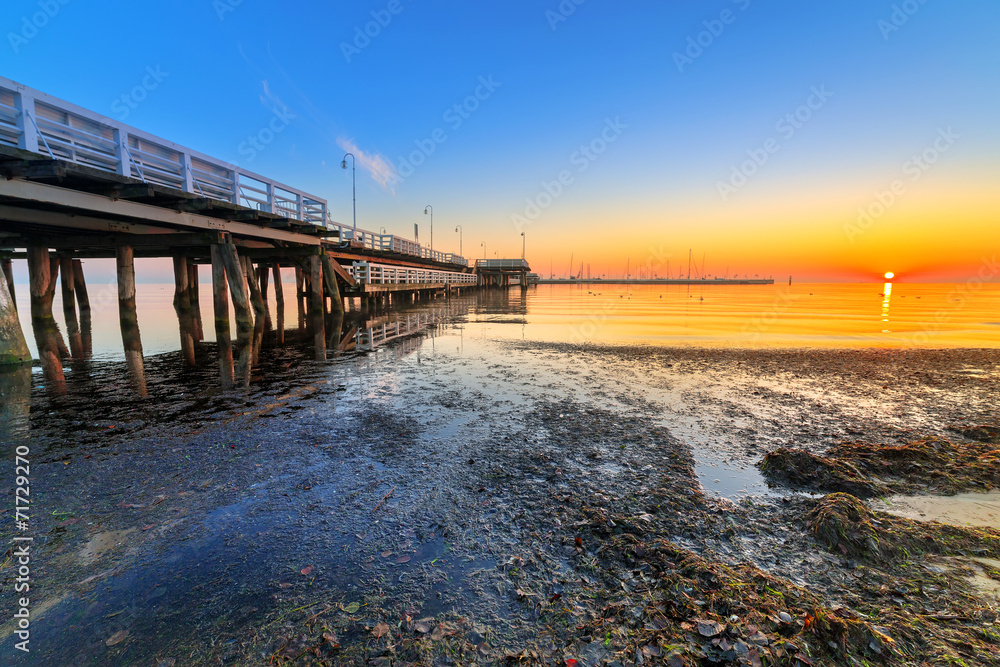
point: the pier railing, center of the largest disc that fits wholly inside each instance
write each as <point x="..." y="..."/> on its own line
<point x="392" y="243"/>
<point x="382" y="274"/>
<point x="40" y="123"/>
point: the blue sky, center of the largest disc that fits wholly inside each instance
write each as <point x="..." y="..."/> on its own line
<point x="559" y="76"/>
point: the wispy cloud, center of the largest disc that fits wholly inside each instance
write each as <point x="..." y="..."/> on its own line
<point x="380" y="169"/>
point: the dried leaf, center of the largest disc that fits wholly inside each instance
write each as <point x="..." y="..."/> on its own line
<point x="403" y="559"/>
<point x="352" y="608"/>
<point x="710" y="628"/>
<point x="306" y="571"/>
<point x="381" y="630"/>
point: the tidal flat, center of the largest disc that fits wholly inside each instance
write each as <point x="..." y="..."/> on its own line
<point x="472" y="500"/>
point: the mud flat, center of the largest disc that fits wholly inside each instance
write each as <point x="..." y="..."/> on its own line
<point x="475" y="501"/>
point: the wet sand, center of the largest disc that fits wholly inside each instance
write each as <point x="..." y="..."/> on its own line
<point x="441" y="497"/>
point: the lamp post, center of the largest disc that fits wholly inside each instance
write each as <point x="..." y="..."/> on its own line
<point x="354" y="184"/>
<point x="431" y="209"/>
<point x="459" y="230"/>
<point x="484" y="250"/>
<point x="522" y="245"/>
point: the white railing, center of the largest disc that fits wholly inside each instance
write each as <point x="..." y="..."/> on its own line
<point x="383" y="274"/>
<point x="40" y="123"/>
<point x="392" y="243"/>
<point x="372" y="337"/>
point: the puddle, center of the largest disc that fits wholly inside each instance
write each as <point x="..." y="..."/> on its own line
<point x="103" y="543"/>
<point x="965" y="509"/>
<point x="724" y="479"/>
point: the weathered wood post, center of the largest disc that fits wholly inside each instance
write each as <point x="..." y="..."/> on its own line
<point x="182" y="305"/>
<point x="316" y="310"/>
<point x="300" y="280"/>
<point x="279" y="303"/>
<point x="8" y="273"/>
<point x="253" y="284"/>
<point x="199" y="327"/>
<point x="66" y="279"/>
<point x="238" y="287"/>
<point x="264" y="274"/>
<point x="43" y="324"/>
<point x="13" y="347"/>
<point x="83" y="301"/>
<point x="220" y="301"/>
<point x="330" y="276"/>
<point x="129" y="320"/>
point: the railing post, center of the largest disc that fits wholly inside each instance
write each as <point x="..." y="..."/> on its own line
<point x="270" y="197"/>
<point x="24" y="102"/>
<point x="236" y="187"/>
<point x="123" y="168"/>
<point x="187" y="172"/>
<point x="300" y="212"/>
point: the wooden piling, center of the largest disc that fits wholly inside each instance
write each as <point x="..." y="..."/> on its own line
<point x="67" y="281"/>
<point x="8" y="273"/>
<point x="83" y="301"/>
<point x="182" y="306"/>
<point x="220" y="300"/>
<point x="330" y="276"/>
<point x="199" y="327"/>
<point x="13" y="347"/>
<point x="238" y="287"/>
<point x="129" y="320"/>
<point x="300" y="280"/>
<point x="279" y="304"/>
<point x="316" y="314"/>
<point x="253" y="283"/>
<point x="43" y="324"/>
<point x="263" y="274"/>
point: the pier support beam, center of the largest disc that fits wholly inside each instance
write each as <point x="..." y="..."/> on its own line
<point x="13" y="347"/>
<point x="182" y="305"/>
<point x="220" y="302"/>
<point x="8" y="276"/>
<point x="83" y="301"/>
<point x="330" y="276"/>
<point x="125" y="260"/>
<point x="67" y="282"/>
<point x="199" y="327"/>
<point x="300" y="280"/>
<point x="253" y="283"/>
<point x="43" y="324"/>
<point x="263" y="274"/>
<point x="316" y="314"/>
<point x="238" y="286"/>
<point x="279" y="304"/>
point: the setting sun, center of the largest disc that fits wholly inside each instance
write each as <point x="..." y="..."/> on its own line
<point x="890" y="275"/>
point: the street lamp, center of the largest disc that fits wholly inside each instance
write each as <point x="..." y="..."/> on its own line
<point x="459" y="230"/>
<point x="522" y="245"/>
<point x="484" y="250"/>
<point x="354" y="182"/>
<point x="381" y="230"/>
<point x="431" y="209"/>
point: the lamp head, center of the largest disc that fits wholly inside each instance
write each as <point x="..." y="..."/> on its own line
<point x="343" y="163"/>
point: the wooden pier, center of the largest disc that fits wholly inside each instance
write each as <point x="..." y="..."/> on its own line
<point x="76" y="185"/>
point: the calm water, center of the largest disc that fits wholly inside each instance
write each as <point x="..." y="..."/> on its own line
<point x="806" y="315"/>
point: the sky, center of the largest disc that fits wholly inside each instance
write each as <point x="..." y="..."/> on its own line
<point x="826" y="141"/>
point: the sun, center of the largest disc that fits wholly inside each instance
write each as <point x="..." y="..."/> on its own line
<point x="890" y="275"/>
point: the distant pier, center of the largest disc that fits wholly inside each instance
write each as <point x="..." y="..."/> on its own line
<point x="657" y="281"/>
